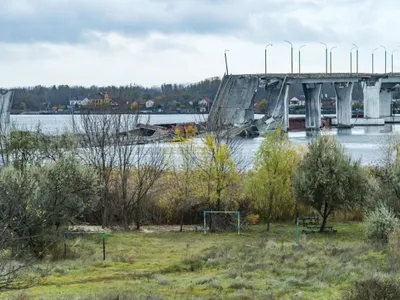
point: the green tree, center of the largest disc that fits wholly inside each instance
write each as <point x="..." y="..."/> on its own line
<point x="271" y="180"/>
<point x="327" y="179"/>
<point x="263" y="105"/>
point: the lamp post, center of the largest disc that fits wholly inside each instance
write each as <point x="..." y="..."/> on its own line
<point x="330" y="53"/>
<point x="385" y="56"/>
<point x="326" y="56"/>
<point x="265" y="58"/>
<point x="392" y="57"/>
<point x="373" y="59"/>
<point x="351" y="59"/>
<point x="226" y="62"/>
<point x="291" y="55"/>
<point x="300" y="58"/>
<point x="355" y="47"/>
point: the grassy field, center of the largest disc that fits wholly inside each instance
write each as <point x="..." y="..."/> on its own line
<point x="191" y="265"/>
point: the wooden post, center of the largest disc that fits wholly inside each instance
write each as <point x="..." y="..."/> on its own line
<point x="104" y="248"/>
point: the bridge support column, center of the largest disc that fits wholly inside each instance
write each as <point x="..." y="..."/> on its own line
<point x="313" y="105"/>
<point x="344" y="92"/>
<point x="385" y="100"/>
<point x="286" y="109"/>
<point x="371" y="91"/>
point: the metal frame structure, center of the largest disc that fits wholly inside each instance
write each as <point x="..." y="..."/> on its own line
<point x="221" y="212"/>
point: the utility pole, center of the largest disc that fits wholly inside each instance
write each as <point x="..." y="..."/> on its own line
<point x="265" y="58"/>
<point x="356" y="47"/>
<point x="326" y="56"/>
<point x="300" y="58"/>
<point x="291" y="56"/>
<point x="226" y="62"/>
<point x="385" y="56"/>
<point x="330" y="54"/>
<point x="373" y="59"/>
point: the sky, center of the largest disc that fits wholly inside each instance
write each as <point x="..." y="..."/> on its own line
<point x="151" y="42"/>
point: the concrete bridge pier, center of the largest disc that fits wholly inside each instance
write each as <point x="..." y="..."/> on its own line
<point x="371" y="91"/>
<point x="312" y="93"/>
<point x="286" y="109"/>
<point x="6" y="98"/>
<point x="344" y="92"/>
<point x="385" y="100"/>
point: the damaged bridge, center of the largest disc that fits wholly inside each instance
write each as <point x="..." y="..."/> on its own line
<point x="233" y="105"/>
<point x="234" y="102"/>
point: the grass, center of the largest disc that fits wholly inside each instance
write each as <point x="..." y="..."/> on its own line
<point x="254" y="265"/>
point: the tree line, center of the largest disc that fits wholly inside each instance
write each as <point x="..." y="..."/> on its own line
<point x="168" y="95"/>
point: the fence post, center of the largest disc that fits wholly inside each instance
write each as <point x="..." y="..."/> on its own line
<point x="205" y="223"/>
<point x="297" y="231"/>
<point x="238" y="222"/>
<point x="104" y="247"/>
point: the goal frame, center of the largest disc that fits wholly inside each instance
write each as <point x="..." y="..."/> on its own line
<point x="237" y="213"/>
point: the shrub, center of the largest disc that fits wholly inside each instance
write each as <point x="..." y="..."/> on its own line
<point x="253" y="219"/>
<point x="380" y="223"/>
<point x="373" y="289"/>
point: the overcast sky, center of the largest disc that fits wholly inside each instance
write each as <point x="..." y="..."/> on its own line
<point x="150" y="42"/>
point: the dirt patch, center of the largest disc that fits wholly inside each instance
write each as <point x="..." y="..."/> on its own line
<point x="144" y="229"/>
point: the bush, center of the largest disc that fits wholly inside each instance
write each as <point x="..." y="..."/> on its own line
<point x="253" y="219"/>
<point x="380" y="223"/>
<point x="374" y="289"/>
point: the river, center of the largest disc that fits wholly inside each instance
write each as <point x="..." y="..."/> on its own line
<point x="364" y="143"/>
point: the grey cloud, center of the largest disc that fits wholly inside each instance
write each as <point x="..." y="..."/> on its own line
<point x="67" y="21"/>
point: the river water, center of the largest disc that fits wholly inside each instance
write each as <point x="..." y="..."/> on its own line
<point x="364" y="143"/>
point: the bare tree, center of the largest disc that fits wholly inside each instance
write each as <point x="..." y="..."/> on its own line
<point x="127" y="160"/>
<point x="99" y="151"/>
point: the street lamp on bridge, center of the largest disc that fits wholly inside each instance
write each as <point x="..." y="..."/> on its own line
<point x="300" y="58"/>
<point x="226" y="62"/>
<point x="392" y="57"/>
<point x="355" y="47"/>
<point x="330" y="53"/>
<point x="291" y="55"/>
<point x="326" y="56"/>
<point x="265" y="58"/>
<point x="351" y="59"/>
<point x="373" y="59"/>
<point x="385" y="56"/>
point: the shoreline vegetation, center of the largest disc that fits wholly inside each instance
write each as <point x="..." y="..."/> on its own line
<point x="47" y="186"/>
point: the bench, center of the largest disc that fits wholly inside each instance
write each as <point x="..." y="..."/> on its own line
<point x="310" y="220"/>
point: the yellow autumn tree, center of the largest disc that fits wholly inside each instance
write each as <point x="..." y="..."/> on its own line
<point x="218" y="173"/>
<point x="270" y="181"/>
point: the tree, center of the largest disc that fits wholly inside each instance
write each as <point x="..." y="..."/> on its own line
<point x="219" y="170"/>
<point x="263" y="105"/>
<point x="99" y="151"/>
<point x="66" y="189"/>
<point x="327" y="179"/>
<point x="138" y="167"/>
<point x="34" y="206"/>
<point x="180" y="196"/>
<point x="271" y="179"/>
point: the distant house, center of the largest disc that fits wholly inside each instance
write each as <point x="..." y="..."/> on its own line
<point x="79" y="101"/>
<point x="101" y="98"/>
<point x="205" y="104"/>
<point x="296" y="102"/>
<point x="149" y="104"/>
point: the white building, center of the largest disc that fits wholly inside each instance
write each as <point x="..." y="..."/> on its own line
<point x="149" y="104"/>
<point x="296" y="102"/>
<point x="79" y="101"/>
